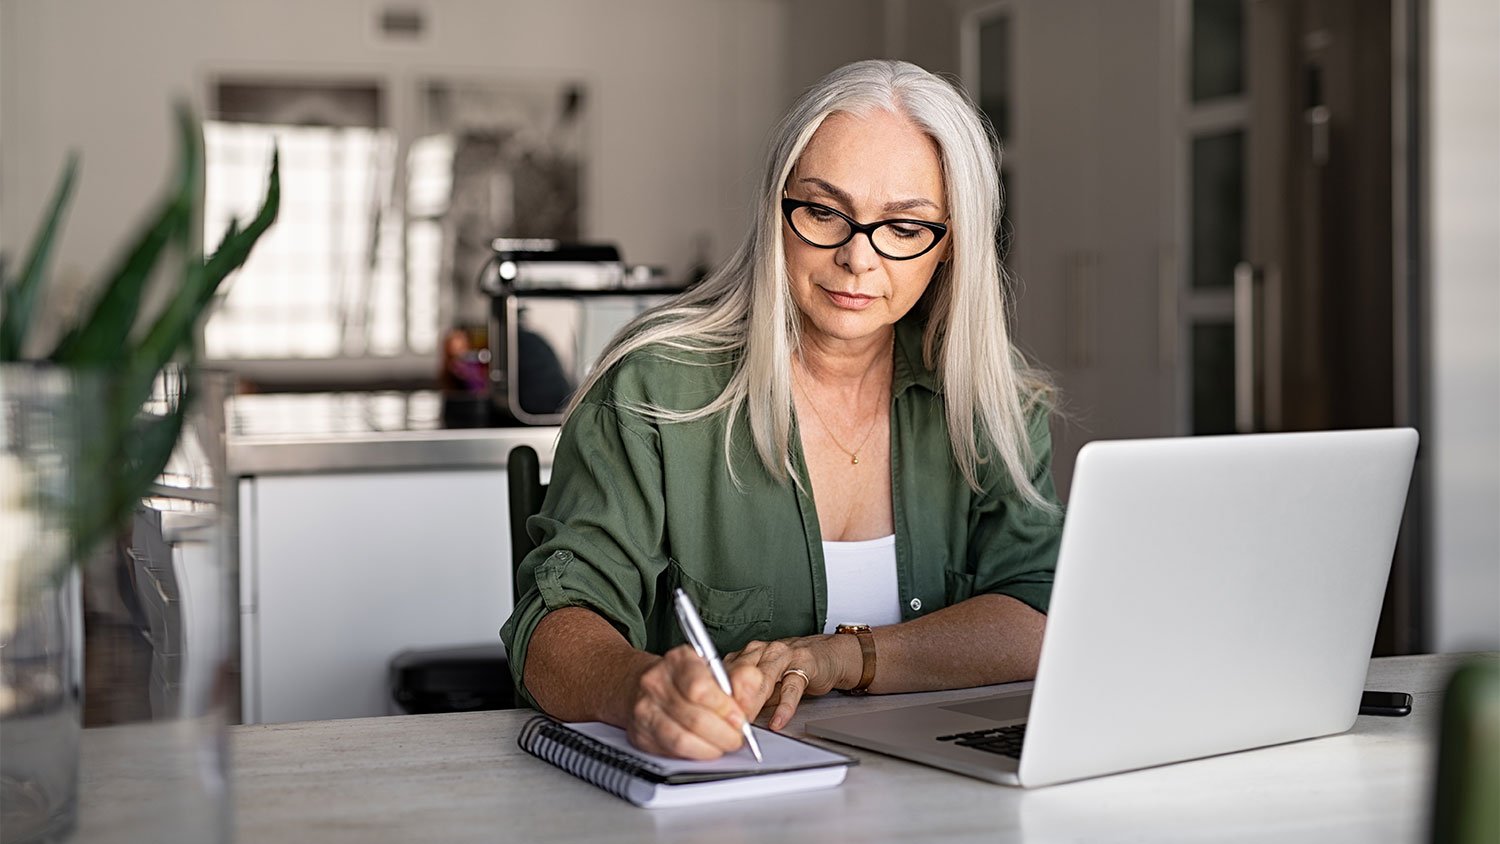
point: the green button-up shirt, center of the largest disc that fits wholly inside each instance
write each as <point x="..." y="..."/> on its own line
<point x="636" y="508"/>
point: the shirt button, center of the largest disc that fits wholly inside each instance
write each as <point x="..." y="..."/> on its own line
<point x="916" y="604"/>
<point x="565" y="556"/>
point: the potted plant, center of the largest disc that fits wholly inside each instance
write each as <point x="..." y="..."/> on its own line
<point x="77" y="454"/>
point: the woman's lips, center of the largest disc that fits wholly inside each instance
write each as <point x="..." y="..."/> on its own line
<point x="849" y="301"/>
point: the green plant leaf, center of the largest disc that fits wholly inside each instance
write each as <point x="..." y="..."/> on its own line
<point x="173" y="328"/>
<point x="120" y="470"/>
<point x="103" y="335"/>
<point x="230" y="232"/>
<point x="153" y="443"/>
<point x="235" y="248"/>
<point x="21" y="296"/>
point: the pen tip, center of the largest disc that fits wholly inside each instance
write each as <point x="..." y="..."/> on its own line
<point x="753" y="744"/>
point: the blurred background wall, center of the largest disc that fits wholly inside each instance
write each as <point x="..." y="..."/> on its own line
<point x="1461" y="230"/>
<point x="683" y="91"/>
<point x="1222" y="215"/>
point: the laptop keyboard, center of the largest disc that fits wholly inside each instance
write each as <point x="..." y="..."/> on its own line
<point x="1005" y="741"/>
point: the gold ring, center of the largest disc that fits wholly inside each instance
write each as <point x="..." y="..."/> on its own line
<point x="806" y="680"/>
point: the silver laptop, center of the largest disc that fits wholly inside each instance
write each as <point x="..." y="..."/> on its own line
<point x="1213" y="594"/>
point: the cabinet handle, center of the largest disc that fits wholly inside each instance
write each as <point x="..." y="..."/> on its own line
<point x="1246" y="279"/>
<point x="1257" y="348"/>
<point x="1081" y="275"/>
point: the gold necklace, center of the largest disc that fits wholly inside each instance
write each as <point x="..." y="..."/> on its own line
<point x="853" y="455"/>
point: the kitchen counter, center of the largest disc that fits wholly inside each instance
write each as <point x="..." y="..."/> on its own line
<point x="277" y="434"/>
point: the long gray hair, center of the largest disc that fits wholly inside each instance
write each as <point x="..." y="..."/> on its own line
<point x="745" y="308"/>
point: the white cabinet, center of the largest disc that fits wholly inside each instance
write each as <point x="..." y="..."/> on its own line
<point x="339" y="572"/>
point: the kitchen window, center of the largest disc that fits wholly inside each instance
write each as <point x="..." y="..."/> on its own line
<point x="384" y="222"/>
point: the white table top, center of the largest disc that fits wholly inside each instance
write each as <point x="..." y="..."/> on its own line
<point x="461" y="777"/>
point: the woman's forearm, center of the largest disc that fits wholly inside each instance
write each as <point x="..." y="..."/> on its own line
<point x="984" y="640"/>
<point x="579" y="668"/>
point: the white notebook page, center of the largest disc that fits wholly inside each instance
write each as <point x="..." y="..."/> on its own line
<point x="778" y="750"/>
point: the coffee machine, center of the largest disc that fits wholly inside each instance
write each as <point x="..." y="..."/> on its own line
<point x="554" y="307"/>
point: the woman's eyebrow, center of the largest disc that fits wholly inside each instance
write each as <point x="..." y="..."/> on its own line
<point x="909" y="204"/>
<point x="848" y="201"/>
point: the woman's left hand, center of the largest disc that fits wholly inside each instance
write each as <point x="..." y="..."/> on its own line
<point x="822" y="659"/>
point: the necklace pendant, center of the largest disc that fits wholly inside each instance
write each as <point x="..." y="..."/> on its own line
<point x="854" y="459"/>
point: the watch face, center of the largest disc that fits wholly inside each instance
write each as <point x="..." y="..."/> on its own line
<point x="852" y="628"/>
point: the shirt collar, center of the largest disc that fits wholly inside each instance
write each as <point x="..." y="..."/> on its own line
<point x="909" y="369"/>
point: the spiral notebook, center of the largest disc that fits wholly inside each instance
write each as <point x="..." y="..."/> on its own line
<point x="602" y="755"/>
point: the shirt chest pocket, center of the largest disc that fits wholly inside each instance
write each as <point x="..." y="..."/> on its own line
<point x="733" y="616"/>
<point x="958" y="585"/>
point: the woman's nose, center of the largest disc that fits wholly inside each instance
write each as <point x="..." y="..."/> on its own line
<point x="858" y="256"/>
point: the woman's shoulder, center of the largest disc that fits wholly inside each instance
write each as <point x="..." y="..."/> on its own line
<point x="666" y="377"/>
<point x="1037" y="412"/>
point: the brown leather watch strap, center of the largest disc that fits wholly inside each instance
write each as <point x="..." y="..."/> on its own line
<point x="866" y="652"/>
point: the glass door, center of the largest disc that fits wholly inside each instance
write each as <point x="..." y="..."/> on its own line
<point x="1213" y="129"/>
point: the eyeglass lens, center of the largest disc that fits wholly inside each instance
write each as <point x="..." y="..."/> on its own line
<point x="824" y="228"/>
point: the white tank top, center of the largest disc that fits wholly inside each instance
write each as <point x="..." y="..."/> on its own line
<point x="862" y="582"/>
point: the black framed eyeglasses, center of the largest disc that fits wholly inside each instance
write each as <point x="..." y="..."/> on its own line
<point x="826" y="228"/>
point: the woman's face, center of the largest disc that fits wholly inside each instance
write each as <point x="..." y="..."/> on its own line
<point x="872" y="168"/>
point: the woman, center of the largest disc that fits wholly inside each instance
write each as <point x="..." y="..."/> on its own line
<point x="832" y="428"/>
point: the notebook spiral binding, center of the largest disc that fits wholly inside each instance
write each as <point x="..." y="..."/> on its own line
<point x="581" y="756"/>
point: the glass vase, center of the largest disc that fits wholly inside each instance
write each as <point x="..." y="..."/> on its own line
<point x="146" y="611"/>
<point x="41" y="618"/>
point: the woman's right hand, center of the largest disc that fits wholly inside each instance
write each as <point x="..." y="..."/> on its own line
<point x="679" y="710"/>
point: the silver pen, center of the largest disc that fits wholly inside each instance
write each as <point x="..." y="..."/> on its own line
<point x="697" y="636"/>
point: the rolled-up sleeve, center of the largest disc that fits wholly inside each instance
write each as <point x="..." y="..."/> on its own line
<point x="599" y="532"/>
<point x="1013" y="543"/>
